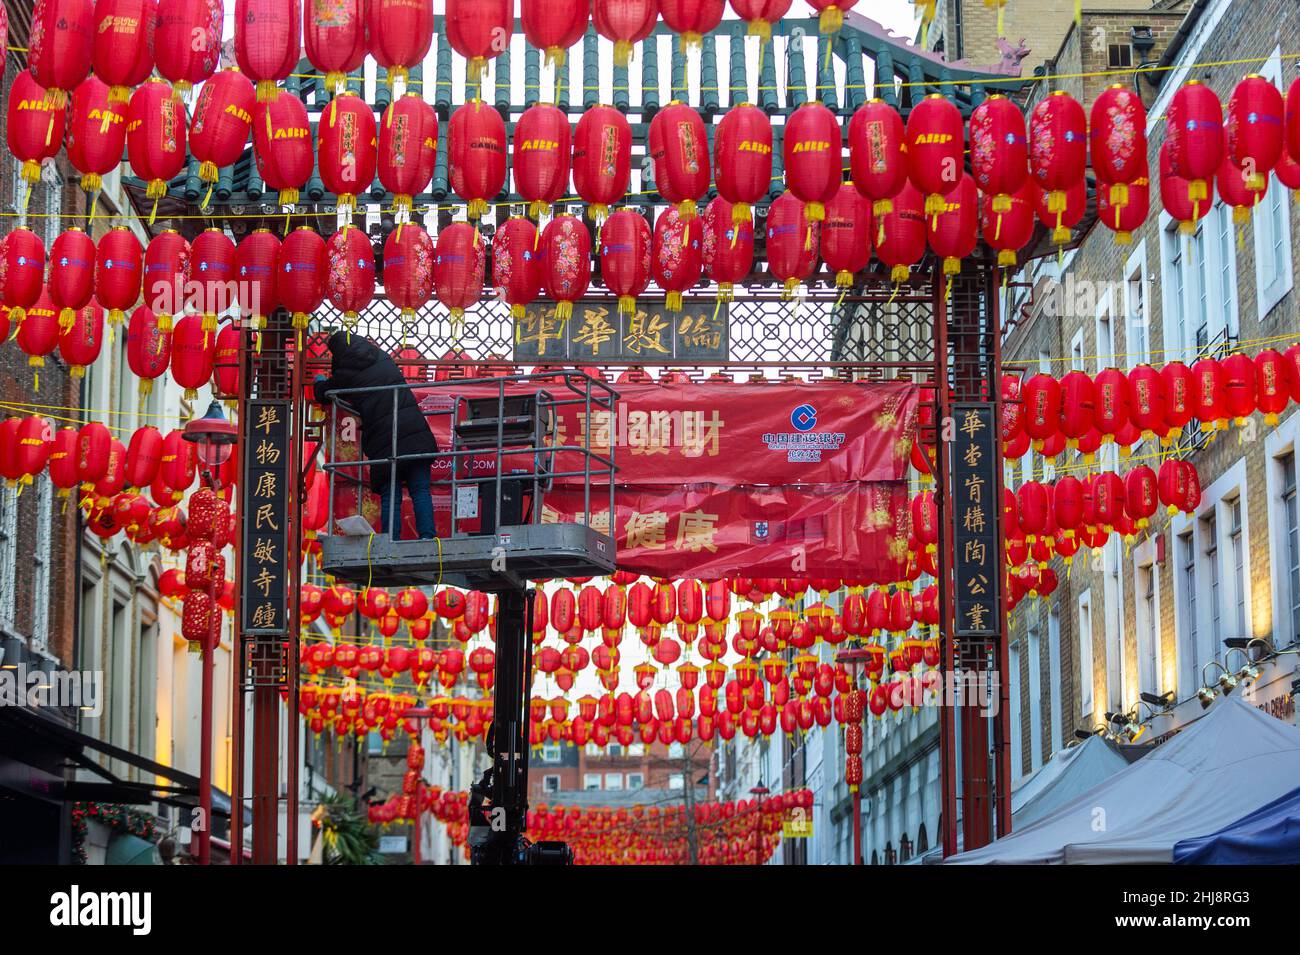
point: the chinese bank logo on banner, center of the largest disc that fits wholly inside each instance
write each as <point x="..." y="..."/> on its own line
<point x="804" y="445"/>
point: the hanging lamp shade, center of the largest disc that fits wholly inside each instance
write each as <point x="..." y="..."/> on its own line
<point x="602" y="159"/>
<point x="677" y="258"/>
<point x="401" y="32"/>
<point x="223" y="118"/>
<point x="623" y="23"/>
<point x="679" y="150"/>
<point x="268" y="41"/>
<point x="334" y="39"/>
<point x="187" y="41"/>
<point x="625" y="249"/>
<point x="282" y="145"/>
<point x="60" y="45"/>
<point x="542" y="157"/>
<point x="476" y="141"/>
<point x="999" y="150"/>
<point x="517" y="263"/>
<point x="408" y="148"/>
<point x="728" y="247"/>
<point x="479" y="30"/>
<point x="122" y="50"/>
<point x="96" y="135"/>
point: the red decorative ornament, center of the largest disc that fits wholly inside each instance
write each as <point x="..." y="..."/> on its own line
<point x="477" y="144"/>
<point x="900" y="240"/>
<point x="625" y="244"/>
<point x="347" y="147"/>
<point x="555" y="25"/>
<point x="1194" y="122"/>
<point x="1126" y="219"/>
<point x="187" y="41"/>
<point x="999" y="149"/>
<point x="728" y="247"/>
<point x="81" y="341"/>
<point x="408" y="148"/>
<point x="60" y="45"/>
<point x="38" y="335"/>
<point x="1147" y="402"/>
<point x="212" y="272"/>
<point x="878" y="154"/>
<point x="63" y="460"/>
<point x="72" y="274"/>
<point x="33" y="125"/>
<point x="282" y="145"/>
<point x="143" y="457"/>
<point x="742" y="157"/>
<point x="303" y="265"/>
<point x="517" y="264"/>
<point x="846" y="234"/>
<point x="408" y="269"/>
<point x="1209" y="395"/>
<point x="256" y="259"/>
<point x="192" y="355"/>
<point x="1112" y="396"/>
<point x="96" y="133"/>
<point x="566" y="262"/>
<point x="1009" y="232"/>
<point x="1062" y="221"/>
<point x="166" y="275"/>
<point x="602" y="159"/>
<point x="811" y="146"/>
<point x="148" y="348"/>
<point x="1179" y="389"/>
<point x="1254" y="134"/>
<point x="225" y="369"/>
<point x="479" y="30"/>
<point x="23" y="272"/>
<point x="831" y="13"/>
<point x="624" y="22"/>
<point x="401" y="32"/>
<point x="1118" y="140"/>
<point x="267" y="45"/>
<point x="223" y="117"/>
<point x="678" y="255"/>
<point x="1272" y="388"/>
<point x="760" y="15"/>
<point x="935" y="148"/>
<point x="954" y="232"/>
<point x="1175" y="194"/>
<point x="350" y="282"/>
<point x="792" y="243"/>
<point x="334" y="38"/>
<point x="1041" y="397"/>
<point x="1239" y="387"/>
<point x="156" y="136"/>
<point x="1058" y="149"/>
<point x="691" y="19"/>
<point x="542" y="157"/>
<point x="458" y="266"/>
<point x="679" y="149"/>
<point x="122" y="49"/>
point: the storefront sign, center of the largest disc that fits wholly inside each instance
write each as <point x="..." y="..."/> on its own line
<point x="598" y="331"/>
<point x="977" y="511"/>
<point x="264" y="587"/>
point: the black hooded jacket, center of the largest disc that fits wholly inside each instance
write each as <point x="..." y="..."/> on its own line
<point x="358" y="363"/>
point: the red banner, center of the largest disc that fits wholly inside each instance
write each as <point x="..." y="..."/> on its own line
<point x="730" y="434"/>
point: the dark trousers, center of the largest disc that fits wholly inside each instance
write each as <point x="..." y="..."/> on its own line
<point x="414" y="476"/>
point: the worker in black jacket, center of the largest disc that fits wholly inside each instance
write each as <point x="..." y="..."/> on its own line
<point x="358" y="363"/>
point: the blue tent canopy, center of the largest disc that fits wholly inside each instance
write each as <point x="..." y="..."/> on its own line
<point x="1268" y="836"/>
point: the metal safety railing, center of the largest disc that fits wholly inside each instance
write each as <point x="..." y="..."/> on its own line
<point x="511" y="438"/>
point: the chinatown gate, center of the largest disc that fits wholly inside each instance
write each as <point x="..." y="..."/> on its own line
<point x="939" y="333"/>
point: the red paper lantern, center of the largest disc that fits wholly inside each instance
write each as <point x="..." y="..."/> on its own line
<point x="1209" y="395"/>
<point x="94" y="443"/>
<point x="267" y="44"/>
<point x="458" y="264"/>
<point x="1234" y="190"/>
<point x="155" y="136"/>
<point x="691" y="19"/>
<point x="226" y="361"/>
<point x="542" y="157"/>
<point x="878" y="153"/>
<point x="999" y="150"/>
<point x="555" y="25"/>
<point x="1112" y="396"/>
<point x="624" y="22"/>
<point x="72" y="274"/>
<point x="679" y="148"/>
<point x="1118" y="140"/>
<point x="1126" y="219"/>
<point x="935" y="147"/>
<point x="148" y="348"/>
<point x="401" y="32"/>
<point x="900" y="241"/>
<point x="602" y="158"/>
<point x="60" y="44"/>
<point x="350" y="282"/>
<point x="63" y="460"/>
<point x="96" y="133"/>
<point x="178" y="467"/>
<point x="1172" y="485"/>
<point x="954" y="231"/>
<point x="566" y="262"/>
<point x="479" y="30"/>
<point x="846" y="234"/>
<point x="143" y="456"/>
<point x="742" y="157"/>
<point x="38" y="335"/>
<point x="1194" y="123"/>
<point x="477" y="144"/>
<point x="1272" y="390"/>
<point x="792" y="242"/>
<point x="282" y="145"/>
<point x="1058" y="149"/>
<point x="625" y="244"/>
<point x="408" y="148"/>
<point x="1254" y="134"/>
<point x="678" y="255"/>
<point x="760" y="15"/>
<point x="1009" y="232"/>
<point x="1140" y="495"/>
<point x="33" y="125"/>
<point x="831" y="13"/>
<point x="192" y="355"/>
<point x="222" y="119"/>
<point x="1175" y="194"/>
<point x="1078" y="406"/>
<point x="122" y="49"/>
<point x="34" y="442"/>
<point x="1288" y="171"/>
<point x="212" y="271"/>
<point x="80" y="342"/>
<point x="347" y="147"/>
<point x="166" y="275"/>
<point x="303" y="266"/>
<point x="256" y="260"/>
<point x="334" y="37"/>
<point x="1239" y="387"/>
<point x="408" y="269"/>
<point x="1179" y="390"/>
<point x="516" y="264"/>
<point x="811" y="147"/>
<point x="187" y="41"/>
<point x="1062" y="221"/>
<point x="1041" y="396"/>
<point x="728" y="246"/>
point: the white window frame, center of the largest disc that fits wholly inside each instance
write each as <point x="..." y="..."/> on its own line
<point x="1187" y="608"/>
<point x="1054" y="680"/>
<point x="589" y="778"/>
<point x="1277" y="444"/>
<point x="1034" y="641"/>
<point x="1147" y="620"/>
<point x="636" y="780"/>
<point x="1137" y="327"/>
<point x="676" y="781"/>
<point x="1105" y="320"/>
<point x="1188" y="280"/>
<point x="550" y="752"/>
<point x="1017" y="745"/>
<point x="613" y="780"/>
<point x="1084" y="626"/>
<point x="1117" y="677"/>
<point x="1271" y="289"/>
<point x="1076" y="351"/>
<point x="551" y="783"/>
<point x="8" y="556"/>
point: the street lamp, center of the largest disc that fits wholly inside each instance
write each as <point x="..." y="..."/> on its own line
<point x="215" y="437"/>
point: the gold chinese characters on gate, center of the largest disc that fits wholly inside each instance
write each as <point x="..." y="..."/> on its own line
<point x="598" y="332"/>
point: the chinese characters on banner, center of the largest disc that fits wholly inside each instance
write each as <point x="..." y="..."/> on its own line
<point x="264" y="588"/>
<point x="597" y="331"/>
<point x="977" y="512"/>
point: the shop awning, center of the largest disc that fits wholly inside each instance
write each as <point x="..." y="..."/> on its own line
<point x="1269" y="836"/>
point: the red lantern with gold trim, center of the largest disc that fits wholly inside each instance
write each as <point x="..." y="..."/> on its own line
<point x="166" y="275"/>
<point x="811" y="147"/>
<point x="408" y="269"/>
<point x="1126" y="219"/>
<point x="623" y="23"/>
<point x="760" y="15"/>
<point x="1194" y="125"/>
<point x="691" y="19"/>
<point x="602" y="159"/>
<point x="728" y="247"/>
<point x="80" y="342"/>
<point x="1118" y="140"/>
<point x="477" y="146"/>
<point x="1254" y="134"/>
<point x="256" y="260"/>
<point x="408" y="148"/>
<point x="33" y="125"/>
<point x="1112" y="396"/>
<point x="213" y="274"/>
<point x="1239" y="387"/>
<point x="1209" y="395"/>
<point x="625" y="244"/>
<point x="347" y="147"/>
<point x="223" y="118"/>
<point x="122" y="49"/>
<point x="792" y="242"/>
<point x="225" y="357"/>
<point x="999" y="150"/>
<point x="143" y="457"/>
<point x="38" y="335"/>
<point x="72" y="274"/>
<point x="516" y="264"/>
<point x="96" y="133"/>
<point x="282" y="145"/>
<point x="1272" y="392"/>
<point x="542" y="157"/>
<point x="156" y="136"/>
<point x="846" y="234"/>
<point x="878" y="153"/>
<point x="1062" y="222"/>
<point x="566" y="262"/>
<point x="350" y="282"/>
<point x="148" y="348"/>
<point x="830" y="13"/>
<point x="1141" y="496"/>
<point x="23" y="272"/>
<point x="192" y="355"/>
<point x="555" y="25"/>
<point x="267" y="45"/>
<point x="1041" y="396"/>
<point x="935" y="149"/>
<point x="954" y="231"/>
<point x="900" y="238"/>
<point x="1078" y="405"/>
<point x="1058" y="149"/>
<point x="1009" y="232"/>
<point x="60" y="45"/>
<point x="742" y="157"/>
<point x="1179" y="388"/>
<point x="187" y="41"/>
<point x="1175" y="194"/>
<point x="677" y="260"/>
<point x="479" y="30"/>
<point x="334" y="38"/>
<point x="458" y="263"/>
<point x="401" y="32"/>
<point x="303" y="266"/>
<point x="679" y="149"/>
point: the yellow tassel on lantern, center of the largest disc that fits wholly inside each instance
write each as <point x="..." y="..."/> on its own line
<point x="831" y="19"/>
<point x="626" y="304"/>
<point x="622" y="52"/>
<point x="815" y="211"/>
<point x="537" y="208"/>
<point x="686" y="209"/>
<point x="899" y="273"/>
<point x="397" y="74"/>
<point x="1119" y="195"/>
<point x="267" y="91"/>
<point x="761" y="29"/>
<point x="1197" y="190"/>
<point x="476" y="208"/>
<point x="843" y="279"/>
<point x="564" y="310"/>
<point x="726" y="292"/>
<point x="788" y="289"/>
<point x="951" y="266"/>
<point x="1006" y="257"/>
<point x="597" y="212"/>
<point x="690" y="41"/>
